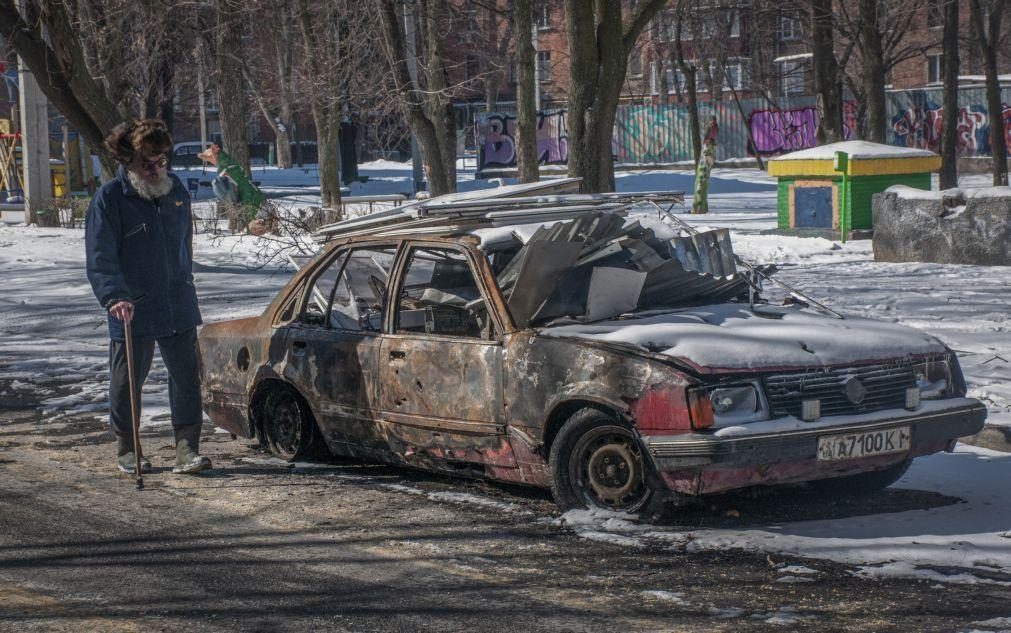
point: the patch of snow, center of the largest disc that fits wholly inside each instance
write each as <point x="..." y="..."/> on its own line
<point x="458" y="497"/>
<point x="994" y="622"/>
<point x="990" y="192"/>
<point x="666" y="596"/>
<point x="797" y="569"/>
<point x="906" y="192"/>
<point x="725" y="612"/>
<point x="794" y="579"/>
<point x="907" y="569"/>
<point x="857" y="150"/>
<point x="731" y="336"/>
<point x="784" y="616"/>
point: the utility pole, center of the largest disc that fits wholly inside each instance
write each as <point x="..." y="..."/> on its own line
<point x="34" y="144"/>
<point x="201" y="99"/>
<point x="418" y="174"/>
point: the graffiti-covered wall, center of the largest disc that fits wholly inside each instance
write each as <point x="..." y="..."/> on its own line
<point x="659" y="134"/>
<point x="916" y="116"/>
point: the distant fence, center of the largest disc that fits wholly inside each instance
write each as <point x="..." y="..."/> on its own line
<point x="915" y="119"/>
<point x="659" y="134"/>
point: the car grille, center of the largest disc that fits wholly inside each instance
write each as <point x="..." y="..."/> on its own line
<point x="885" y="384"/>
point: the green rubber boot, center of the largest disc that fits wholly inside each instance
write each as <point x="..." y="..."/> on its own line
<point x="189" y="461"/>
<point x="125" y="459"/>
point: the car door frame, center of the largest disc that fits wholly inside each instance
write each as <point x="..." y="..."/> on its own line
<point x="445" y="436"/>
<point x="361" y="435"/>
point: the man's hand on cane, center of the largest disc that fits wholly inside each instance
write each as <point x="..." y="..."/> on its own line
<point x="122" y="310"/>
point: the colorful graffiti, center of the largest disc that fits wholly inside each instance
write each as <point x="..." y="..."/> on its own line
<point x="497" y="133"/>
<point x="651" y="134"/>
<point x="660" y="134"/>
<point x="921" y="127"/>
<point x="775" y="131"/>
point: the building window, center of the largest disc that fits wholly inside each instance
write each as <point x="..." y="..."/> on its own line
<point x="542" y="15"/>
<point x="736" y="75"/>
<point x="635" y="64"/>
<point x="675" y="81"/>
<point x="935" y="14"/>
<point x="730" y="22"/>
<point x="935" y="69"/>
<point x="789" y="27"/>
<point x="544" y="66"/>
<point x="793" y="77"/>
<point x="665" y="26"/>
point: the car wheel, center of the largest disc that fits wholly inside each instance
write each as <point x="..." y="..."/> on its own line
<point x="288" y="426"/>
<point x="865" y="482"/>
<point x="598" y="463"/>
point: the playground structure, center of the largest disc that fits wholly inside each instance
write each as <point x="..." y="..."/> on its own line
<point x="11" y="183"/>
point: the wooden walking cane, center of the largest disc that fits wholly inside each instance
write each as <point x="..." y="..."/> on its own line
<point x="133" y="403"/>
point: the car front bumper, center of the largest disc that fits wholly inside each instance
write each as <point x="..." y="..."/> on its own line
<point x="789" y="454"/>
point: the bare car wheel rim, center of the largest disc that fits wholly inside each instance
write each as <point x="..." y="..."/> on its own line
<point x="286" y="426"/>
<point x="610" y="470"/>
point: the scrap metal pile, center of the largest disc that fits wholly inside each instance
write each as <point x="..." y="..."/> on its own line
<point x="587" y="260"/>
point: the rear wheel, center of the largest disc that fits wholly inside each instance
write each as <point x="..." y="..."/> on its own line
<point x="865" y="482"/>
<point x="598" y="463"/>
<point x="288" y="427"/>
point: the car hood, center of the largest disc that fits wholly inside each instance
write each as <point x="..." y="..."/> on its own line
<point x="732" y="337"/>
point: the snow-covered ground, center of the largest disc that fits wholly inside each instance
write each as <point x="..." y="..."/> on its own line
<point x="52" y="328"/>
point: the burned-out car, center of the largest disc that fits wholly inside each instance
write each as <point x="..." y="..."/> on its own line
<point x="564" y="341"/>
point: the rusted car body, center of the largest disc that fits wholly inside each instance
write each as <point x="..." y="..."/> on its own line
<point x="588" y="356"/>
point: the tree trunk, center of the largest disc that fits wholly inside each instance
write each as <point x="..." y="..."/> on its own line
<point x="437" y="102"/>
<point x="231" y="97"/>
<point x="690" y="74"/>
<point x="988" y="39"/>
<point x="428" y="112"/>
<point x="67" y="86"/>
<point x="526" y="106"/>
<point x="873" y="69"/>
<point x="283" y="146"/>
<point x="328" y="145"/>
<point x="949" y="126"/>
<point x="826" y="73"/>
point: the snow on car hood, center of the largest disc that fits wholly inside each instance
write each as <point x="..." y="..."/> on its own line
<point x="732" y="336"/>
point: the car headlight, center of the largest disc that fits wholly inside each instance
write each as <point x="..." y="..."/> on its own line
<point x="735" y="404"/>
<point x="933" y="378"/>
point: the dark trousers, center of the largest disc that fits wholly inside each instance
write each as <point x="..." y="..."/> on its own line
<point x="179" y="353"/>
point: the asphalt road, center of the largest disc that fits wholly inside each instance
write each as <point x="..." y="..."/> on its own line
<point x="259" y="546"/>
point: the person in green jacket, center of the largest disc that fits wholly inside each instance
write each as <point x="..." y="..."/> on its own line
<point x="232" y="185"/>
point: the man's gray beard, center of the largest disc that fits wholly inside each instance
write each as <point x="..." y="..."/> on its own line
<point x="148" y="190"/>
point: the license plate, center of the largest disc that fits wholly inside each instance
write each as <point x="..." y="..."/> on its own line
<point x="852" y="445"/>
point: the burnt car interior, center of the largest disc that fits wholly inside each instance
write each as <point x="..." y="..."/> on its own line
<point x="440" y="296"/>
<point x="349" y="292"/>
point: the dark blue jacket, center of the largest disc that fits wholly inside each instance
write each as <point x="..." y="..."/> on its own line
<point x="142" y="251"/>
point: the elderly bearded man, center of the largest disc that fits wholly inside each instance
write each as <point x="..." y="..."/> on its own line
<point x="139" y="240"/>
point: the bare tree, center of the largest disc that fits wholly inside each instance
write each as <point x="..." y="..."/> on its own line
<point x="229" y="20"/>
<point x="95" y="83"/>
<point x="492" y="51"/>
<point x="949" y="125"/>
<point x="987" y="19"/>
<point x="270" y="74"/>
<point x="827" y="91"/>
<point x="689" y="71"/>
<point x="526" y="106"/>
<point x="327" y="37"/>
<point x="879" y="31"/>
<point x="425" y="101"/>
<point x="600" y="41"/>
